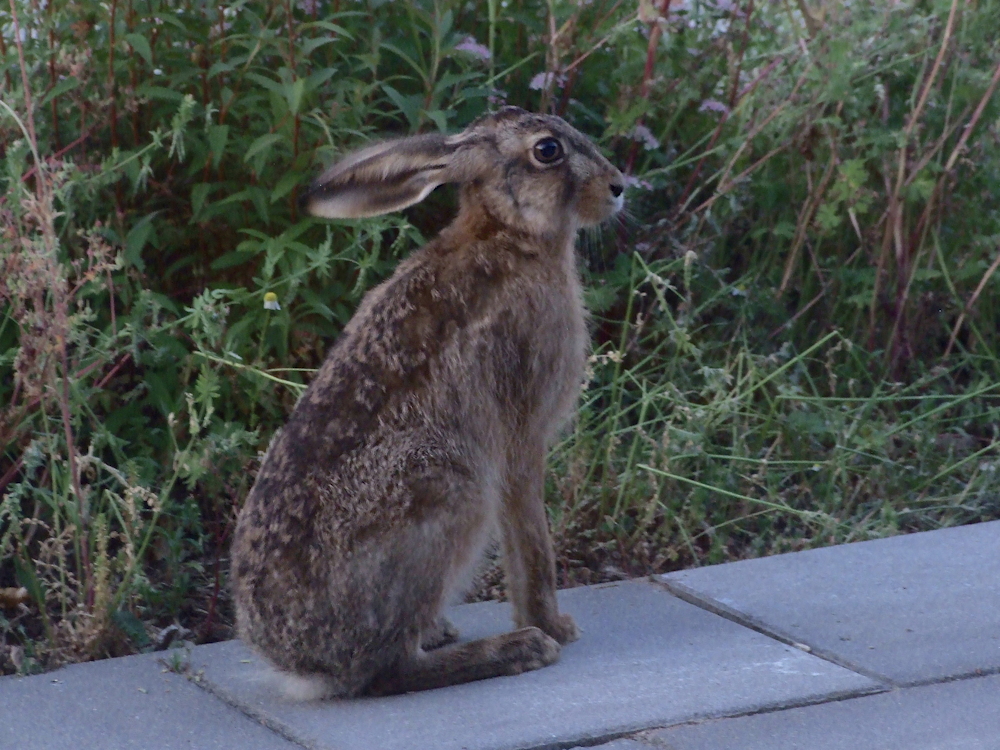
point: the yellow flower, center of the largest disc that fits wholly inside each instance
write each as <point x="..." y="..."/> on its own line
<point x="271" y="301"/>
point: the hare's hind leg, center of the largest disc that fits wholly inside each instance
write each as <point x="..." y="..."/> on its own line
<point x="507" y="654"/>
<point x="528" y="558"/>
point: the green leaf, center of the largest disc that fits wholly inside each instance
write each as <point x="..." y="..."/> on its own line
<point x="311" y="45"/>
<point x="320" y="77"/>
<point x="439" y="118"/>
<point x="198" y="195"/>
<point x="139" y="43"/>
<point x="159" y="92"/>
<point x="136" y="240"/>
<point x="445" y="26"/>
<point x="232" y="258"/>
<point x="131" y="626"/>
<point x="294" y="94"/>
<point x="316" y="304"/>
<point x="261" y="145"/>
<point x="26" y="576"/>
<point x="66" y="84"/>
<point x="409" y="60"/>
<point x="920" y="190"/>
<point x="828" y="216"/>
<point x="408" y="105"/>
<point x="275" y="86"/>
<point x="217" y="137"/>
<point x="327" y="26"/>
<point x="285" y="185"/>
<point x="206" y="387"/>
<point x="220" y="67"/>
<point x="259" y="197"/>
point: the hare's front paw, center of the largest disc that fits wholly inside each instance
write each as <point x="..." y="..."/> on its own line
<point x="441" y="634"/>
<point x="562" y="628"/>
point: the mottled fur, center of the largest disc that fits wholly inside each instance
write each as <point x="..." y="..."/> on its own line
<point x="427" y="427"/>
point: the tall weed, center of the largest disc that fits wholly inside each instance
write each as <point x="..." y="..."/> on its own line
<point x="795" y="334"/>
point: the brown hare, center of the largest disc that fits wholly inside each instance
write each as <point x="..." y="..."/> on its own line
<point x="426" y="429"/>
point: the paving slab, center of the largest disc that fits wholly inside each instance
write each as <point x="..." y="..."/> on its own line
<point x="911" y="609"/>
<point x="122" y="704"/>
<point x="646" y="659"/>
<point x="962" y="715"/>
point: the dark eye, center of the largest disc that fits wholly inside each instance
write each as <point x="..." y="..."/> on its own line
<point x="548" y="150"/>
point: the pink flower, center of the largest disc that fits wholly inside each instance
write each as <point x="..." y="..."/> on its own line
<point x="474" y="48"/>
<point x="645" y="137"/>
<point x="545" y="80"/>
<point x="713" y="106"/>
<point x="635" y="182"/>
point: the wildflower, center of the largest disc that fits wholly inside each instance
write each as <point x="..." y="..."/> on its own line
<point x="712" y="105"/>
<point x="497" y="98"/>
<point x="544" y="80"/>
<point x="474" y="48"/>
<point x="636" y="182"/>
<point x="645" y="136"/>
<point x="271" y="301"/>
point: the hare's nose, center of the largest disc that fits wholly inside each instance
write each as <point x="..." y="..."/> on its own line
<point x="616" y="189"/>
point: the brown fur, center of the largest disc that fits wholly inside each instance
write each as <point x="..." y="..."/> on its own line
<point x="427" y="426"/>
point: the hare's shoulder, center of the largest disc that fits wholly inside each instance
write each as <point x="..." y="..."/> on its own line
<point x="385" y="355"/>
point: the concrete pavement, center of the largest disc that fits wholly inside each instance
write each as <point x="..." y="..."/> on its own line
<point x="893" y="643"/>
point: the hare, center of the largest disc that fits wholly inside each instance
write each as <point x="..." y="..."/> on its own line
<point x="426" y="428"/>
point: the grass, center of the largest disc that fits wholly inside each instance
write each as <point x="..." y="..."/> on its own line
<point x="795" y="332"/>
<point x="691" y="450"/>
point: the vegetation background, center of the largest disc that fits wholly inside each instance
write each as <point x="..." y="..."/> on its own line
<point x="795" y="332"/>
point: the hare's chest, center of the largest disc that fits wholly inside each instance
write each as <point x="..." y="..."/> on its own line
<point x="561" y="354"/>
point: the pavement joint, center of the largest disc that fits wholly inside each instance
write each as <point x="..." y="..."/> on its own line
<point x="954" y="714"/>
<point x="648" y="738"/>
<point x="973" y="675"/>
<point x="196" y="677"/>
<point x="691" y="596"/>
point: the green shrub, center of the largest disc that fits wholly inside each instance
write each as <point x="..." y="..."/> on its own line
<point x="795" y="333"/>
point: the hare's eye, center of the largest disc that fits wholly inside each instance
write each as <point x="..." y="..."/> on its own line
<point x="548" y="150"/>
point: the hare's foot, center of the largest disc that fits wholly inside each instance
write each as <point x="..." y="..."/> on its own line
<point x="554" y="623"/>
<point x="562" y="627"/>
<point x="440" y="634"/>
<point x="507" y="654"/>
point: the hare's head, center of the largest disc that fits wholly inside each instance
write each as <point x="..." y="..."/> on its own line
<point x="532" y="173"/>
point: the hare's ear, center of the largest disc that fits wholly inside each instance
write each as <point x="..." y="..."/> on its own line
<point x="383" y="178"/>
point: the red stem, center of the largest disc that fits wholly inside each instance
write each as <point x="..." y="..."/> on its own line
<point x="655" y="32"/>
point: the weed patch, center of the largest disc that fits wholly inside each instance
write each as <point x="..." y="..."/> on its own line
<point x="795" y="330"/>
